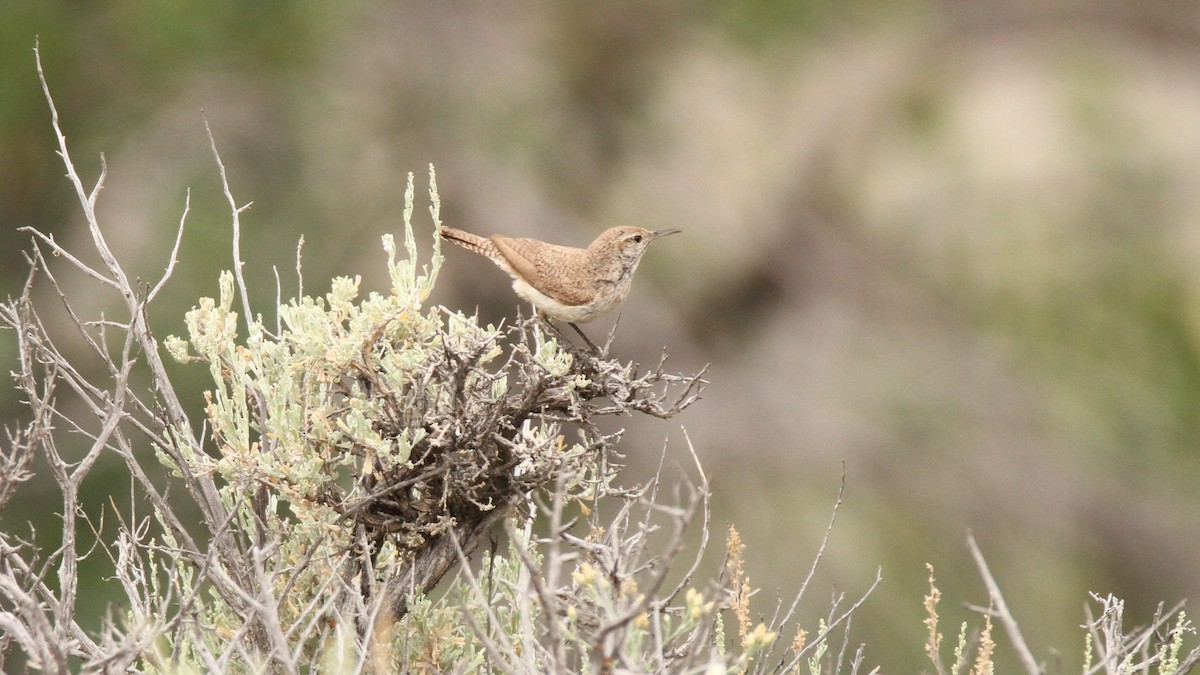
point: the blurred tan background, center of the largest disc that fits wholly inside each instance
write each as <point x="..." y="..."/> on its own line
<point x="951" y="246"/>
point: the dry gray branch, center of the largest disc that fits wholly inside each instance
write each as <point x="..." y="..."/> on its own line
<point x="1028" y="662"/>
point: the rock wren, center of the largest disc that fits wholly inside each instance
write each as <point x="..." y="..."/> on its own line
<point x="574" y="285"/>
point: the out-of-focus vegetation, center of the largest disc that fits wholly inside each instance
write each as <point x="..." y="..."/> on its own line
<point x="950" y="245"/>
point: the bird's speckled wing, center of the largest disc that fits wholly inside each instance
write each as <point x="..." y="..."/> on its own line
<point x="554" y="270"/>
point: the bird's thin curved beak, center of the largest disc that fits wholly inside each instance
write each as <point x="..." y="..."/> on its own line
<point x="662" y="233"/>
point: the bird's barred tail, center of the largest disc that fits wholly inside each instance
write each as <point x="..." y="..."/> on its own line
<point x="471" y="242"/>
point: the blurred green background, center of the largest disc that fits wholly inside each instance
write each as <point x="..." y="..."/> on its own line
<point x="951" y="246"/>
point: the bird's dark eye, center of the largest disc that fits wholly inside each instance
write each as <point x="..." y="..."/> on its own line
<point x="637" y="238"/>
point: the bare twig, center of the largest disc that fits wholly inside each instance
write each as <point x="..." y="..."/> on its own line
<point x="1002" y="612"/>
<point x="236" y="212"/>
<point x="187" y="205"/>
<point x="833" y="623"/>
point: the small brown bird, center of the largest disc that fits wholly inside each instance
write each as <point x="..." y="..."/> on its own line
<point x="570" y="284"/>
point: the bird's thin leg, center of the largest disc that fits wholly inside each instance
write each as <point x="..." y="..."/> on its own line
<point x="562" y="337"/>
<point x="553" y="327"/>
<point x="546" y="321"/>
<point x="585" y="338"/>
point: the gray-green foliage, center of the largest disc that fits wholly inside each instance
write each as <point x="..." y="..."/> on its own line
<point x="364" y="445"/>
<point x="350" y="458"/>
